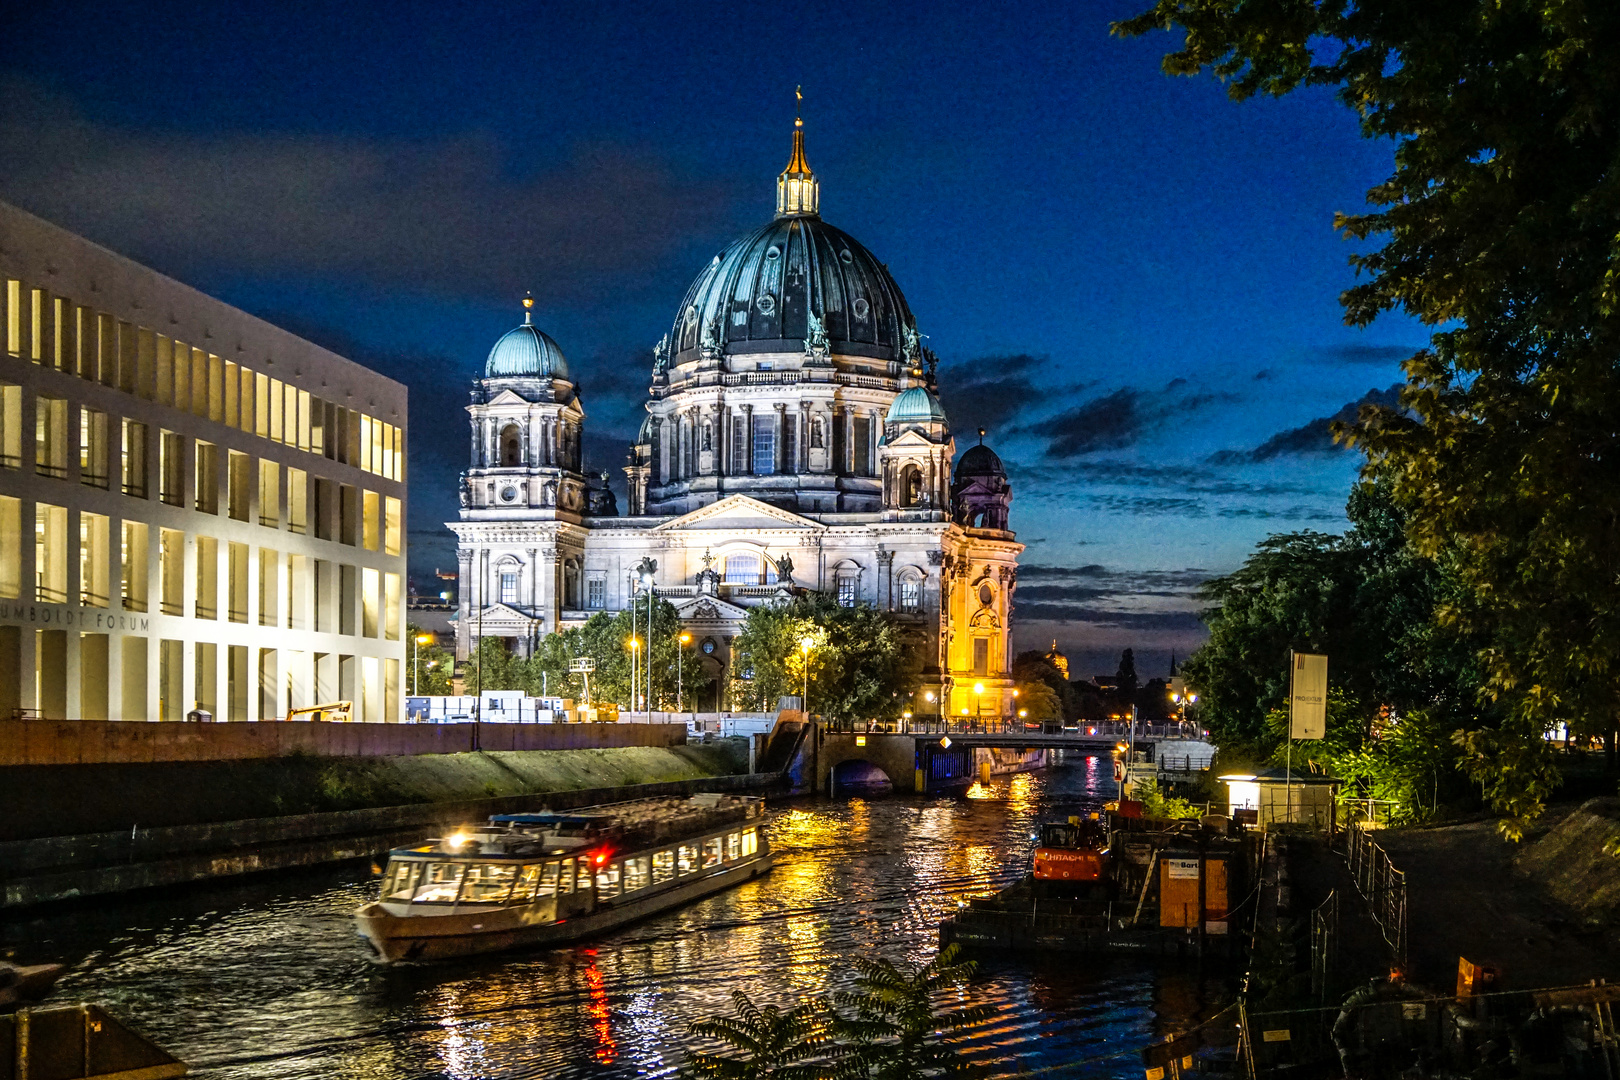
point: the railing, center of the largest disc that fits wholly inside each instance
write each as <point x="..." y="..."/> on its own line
<point x="91" y="598"/>
<point x="1382" y="886"/>
<point x="93" y="479"/>
<point x="205" y="611"/>
<point x="1324" y="945"/>
<point x="45" y="468"/>
<point x="47" y="595"/>
<point x="135" y="488"/>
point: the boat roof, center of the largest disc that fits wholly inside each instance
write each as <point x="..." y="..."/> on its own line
<point x="562" y="821"/>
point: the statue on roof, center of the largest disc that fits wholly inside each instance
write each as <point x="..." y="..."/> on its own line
<point x="815" y="338"/>
<point x="661" y="355"/>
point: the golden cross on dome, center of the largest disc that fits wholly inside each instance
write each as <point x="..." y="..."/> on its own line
<point x="528" y="307"/>
<point x="798" y="108"/>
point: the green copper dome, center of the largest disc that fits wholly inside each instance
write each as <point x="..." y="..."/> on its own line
<point x="917" y="405"/>
<point x="525" y="352"/>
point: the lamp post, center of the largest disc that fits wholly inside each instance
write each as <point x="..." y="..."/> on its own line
<point x="416" y="663"/>
<point x="978" y="703"/>
<point x="635" y="656"/>
<point x="680" y="673"/>
<point x="1015" y="702"/>
<point x="645" y="571"/>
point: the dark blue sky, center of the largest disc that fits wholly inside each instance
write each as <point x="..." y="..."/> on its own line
<point x="1131" y="280"/>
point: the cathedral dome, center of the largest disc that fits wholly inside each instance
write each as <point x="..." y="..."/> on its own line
<point x="979" y="462"/>
<point x="525" y="352"/>
<point x="916" y="405"/>
<point x="760" y="294"/>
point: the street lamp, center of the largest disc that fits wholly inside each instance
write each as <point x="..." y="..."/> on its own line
<point x="978" y="702"/>
<point x="635" y="654"/>
<point x="805" y="645"/>
<point x="680" y="668"/>
<point x="416" y="663"/>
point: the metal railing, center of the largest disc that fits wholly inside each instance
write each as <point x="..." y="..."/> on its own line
<point x="1324" y="946"/>
<point x="1381" y="885"/>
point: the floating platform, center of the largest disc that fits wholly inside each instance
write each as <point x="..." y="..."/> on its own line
<point x="78" y="1042"/>
<point x="1033" y="917"/>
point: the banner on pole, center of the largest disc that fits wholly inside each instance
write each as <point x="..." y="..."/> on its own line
<point x="1307" y="704"/>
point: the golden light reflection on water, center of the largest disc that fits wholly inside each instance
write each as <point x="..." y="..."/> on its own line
<point x="600" y="1013"/>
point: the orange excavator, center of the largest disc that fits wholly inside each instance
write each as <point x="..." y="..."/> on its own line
<point x="1074" y="851"/>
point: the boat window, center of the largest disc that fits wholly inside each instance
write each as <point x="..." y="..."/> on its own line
<point x="711" y="852"/>
<point x="440" y="883"/>
<point x="687" y="858"/>
<point x="733" y="845"/>
<point x="401" y="880"/>
<point x="750" y="841"/>
<point x="488" y="883"/>
<point x="526" y="883"/>
<point x="584" y="879"/>
<point x="635" y="874"/>
<point x="607" y="881"/>
<point x="663" y="867"/>
<point x="548" y="880"/>
<point x="565" y="883"/>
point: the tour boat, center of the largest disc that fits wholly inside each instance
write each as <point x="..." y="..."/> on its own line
<point x="548" y="879"/>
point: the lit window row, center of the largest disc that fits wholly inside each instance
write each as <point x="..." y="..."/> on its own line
<point x="55" y="332"/>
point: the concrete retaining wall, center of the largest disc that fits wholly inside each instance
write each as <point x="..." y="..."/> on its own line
<point x="70" y="867"/>
<point x="101" y="742"/>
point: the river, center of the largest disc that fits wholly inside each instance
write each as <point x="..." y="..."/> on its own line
<point x="263" y="978"/>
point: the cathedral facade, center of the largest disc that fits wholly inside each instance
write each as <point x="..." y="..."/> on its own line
<point x="794" y="440"/>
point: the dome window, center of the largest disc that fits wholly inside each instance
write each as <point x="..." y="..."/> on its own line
<point x="846" y="257"/>
<point x="987" y="595"/>
<point x="773" y="252"/>
<point x="766" y="304"/>
<point x="861" y="308"/>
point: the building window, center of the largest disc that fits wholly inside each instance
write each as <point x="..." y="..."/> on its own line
<point x="846" y="592"/>
<point x="132" y="570"/>
<point x="10" y="426"/>
<point x="93" y="448"/>
<point x="981" y="656"/>
<point x="863" y="446"/>
<point x="742" y="569"/>
<point x="207" y="468"/>
<point x="509" y="587"/>
<point x="910" y="594"/>
<point x="134" y="459"/>
<point x="50" y="436"/>
<point x="764" y="446"/>
<point x="596" y="592"/>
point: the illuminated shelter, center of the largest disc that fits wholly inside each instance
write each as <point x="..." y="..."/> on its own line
<point x="794" y="439"/>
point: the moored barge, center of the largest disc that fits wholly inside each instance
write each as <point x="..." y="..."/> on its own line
<point x="549" y="879"/>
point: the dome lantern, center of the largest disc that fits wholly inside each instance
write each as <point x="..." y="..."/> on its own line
<point x="526" y="351"/>
<point x="798" y="192"/>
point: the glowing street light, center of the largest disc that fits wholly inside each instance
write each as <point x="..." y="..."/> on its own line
<point x="805" y="645"/>
<point x="416" y="662"/>
<point x="680" y="668"/>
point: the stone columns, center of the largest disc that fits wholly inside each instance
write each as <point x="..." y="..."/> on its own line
<point x="748" y="439"/>
<point x="849" y="440"/>
<point x="779" y="463"/>
<point x="804" y="437"/>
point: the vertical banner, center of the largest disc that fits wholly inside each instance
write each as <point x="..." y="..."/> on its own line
<point x="1307" y="703"/>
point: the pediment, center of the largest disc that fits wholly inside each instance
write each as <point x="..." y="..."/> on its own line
<point x="500" y="615"/>
<point x="910" y="438"/>
<point x="735" y="513"/>
<point x="708" y="608"/>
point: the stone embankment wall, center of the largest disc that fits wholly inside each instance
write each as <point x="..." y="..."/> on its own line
<point x="104" y="742"/>
<point x="65" y="800"/>
<point x="1571" y="862"/>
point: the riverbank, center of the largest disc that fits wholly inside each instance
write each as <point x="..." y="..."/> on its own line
<point x="65" y="800"/>
<point x="51" y="869"/>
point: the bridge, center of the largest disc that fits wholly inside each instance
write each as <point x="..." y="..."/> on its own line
<point x="930" y="755"/>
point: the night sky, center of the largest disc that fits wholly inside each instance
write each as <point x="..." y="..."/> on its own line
<point x="1131" y="281"/>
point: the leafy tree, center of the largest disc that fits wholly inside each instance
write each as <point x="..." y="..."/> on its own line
<point x="1498" y="227"/>
<point x="605" y="638"/>
<point x="1156" y="804"/>
<point x="902" y="1018"/>
<point x="860" y="668"/>
<point x="1032" y="667"/>
<point x="431" y="668"/>
<point x="769" y="1044"/>
<point x="1126" y="675"/>
<point x="1038" y="701"/>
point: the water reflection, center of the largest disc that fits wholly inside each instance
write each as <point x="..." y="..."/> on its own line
<point x="265" y="979"/>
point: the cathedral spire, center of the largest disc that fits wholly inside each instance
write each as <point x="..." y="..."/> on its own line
<point x="797" y="189"/>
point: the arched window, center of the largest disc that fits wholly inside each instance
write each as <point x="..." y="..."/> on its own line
<point x="910" y="485"/>
<point x="511" y="446"/>
<point x="742" y="569"/>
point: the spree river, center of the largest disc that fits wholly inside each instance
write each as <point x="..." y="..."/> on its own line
<point x="265" y="978"/>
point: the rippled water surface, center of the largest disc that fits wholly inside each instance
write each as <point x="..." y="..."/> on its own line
<point x="265" y="978"/>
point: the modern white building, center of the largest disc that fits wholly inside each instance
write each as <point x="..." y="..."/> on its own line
<point x="196" y="508"/>
<point x="793" y="439"/>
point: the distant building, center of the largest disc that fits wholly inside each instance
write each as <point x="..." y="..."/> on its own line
<point x="195" y="506"/>
<point x="1058" y="660"/>
<point x="793" y="439"/>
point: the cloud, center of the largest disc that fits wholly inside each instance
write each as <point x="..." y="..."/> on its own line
<point x="1101" y="595"/>
<point x="1147" y="505"/>
<point x="1120" y="419"/>
<point x="1368" y="354"/>
<point x="451" y="216"/>
<point x="1314" y="437"/>
<point x="989" y="391"/>
<point x="1266" y="374"/>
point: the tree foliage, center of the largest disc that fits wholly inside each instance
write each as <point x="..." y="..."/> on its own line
<point x="1500" y="226"/>
<point x="860" y="666"/>
<point x="769" y="1044"/>
<point x="431" y="668"/>
<point x="902" y="1018"/>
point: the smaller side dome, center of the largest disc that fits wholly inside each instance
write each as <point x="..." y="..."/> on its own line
<point x="526" y="352"/>
<point x="980" y="461"/>
<point x="916" y="405"/>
